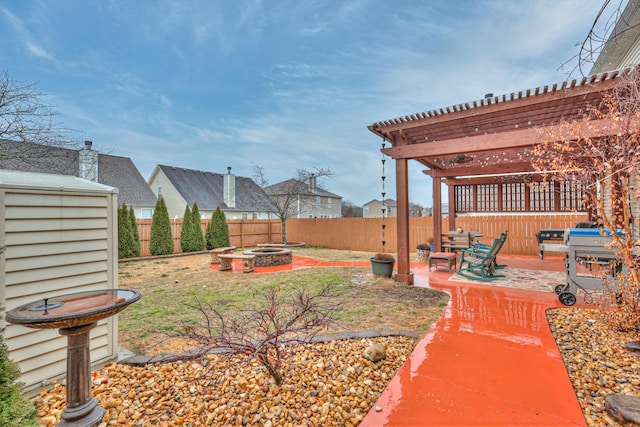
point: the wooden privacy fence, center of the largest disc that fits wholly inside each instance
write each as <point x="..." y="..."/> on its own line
<point x="365" y="234"/>
<point x="243" y="233"/>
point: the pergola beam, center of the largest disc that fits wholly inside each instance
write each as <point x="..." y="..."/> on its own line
<point x="522" y="138"/>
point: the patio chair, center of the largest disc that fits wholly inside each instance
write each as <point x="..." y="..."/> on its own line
<point x="480" y="265"/>
<point x="481" y="248"/>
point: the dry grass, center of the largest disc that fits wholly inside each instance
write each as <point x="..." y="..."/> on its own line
<point x="169" y="285"/>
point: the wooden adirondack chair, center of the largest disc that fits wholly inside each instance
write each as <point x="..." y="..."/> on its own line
<point x="481" y="249"/>
<point x="480" y="265"/>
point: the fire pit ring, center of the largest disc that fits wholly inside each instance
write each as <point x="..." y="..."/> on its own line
<point x="269" y="256"/>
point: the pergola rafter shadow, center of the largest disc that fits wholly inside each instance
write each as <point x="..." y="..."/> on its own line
<point x="482" y="142"/>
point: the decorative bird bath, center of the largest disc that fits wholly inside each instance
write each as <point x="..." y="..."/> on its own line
<point x="75" y="315"/>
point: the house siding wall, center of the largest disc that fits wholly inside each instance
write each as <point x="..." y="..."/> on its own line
<point x="57" y="242"/>
<point x="375" y="210"/>
<point x="172" y="198"/>
<point x="311" y="209"/>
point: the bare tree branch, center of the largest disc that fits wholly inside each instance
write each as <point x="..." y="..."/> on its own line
<point x="293" y="197"/>
<point x="264" y="334"/>
<point x="606" y="170"/>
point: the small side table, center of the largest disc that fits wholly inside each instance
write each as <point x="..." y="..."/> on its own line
<point x="442" y="258"/>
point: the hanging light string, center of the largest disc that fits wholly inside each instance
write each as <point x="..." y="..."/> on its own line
<point x="384" y="207"/>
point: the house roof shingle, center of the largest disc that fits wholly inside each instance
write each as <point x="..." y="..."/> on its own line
<point x="114" y="171"/>
<point x="293" y="186"/>
<point x="207" y="188"/>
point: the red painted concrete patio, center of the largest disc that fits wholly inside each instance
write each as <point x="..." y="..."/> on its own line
<point x="489" y="360"/>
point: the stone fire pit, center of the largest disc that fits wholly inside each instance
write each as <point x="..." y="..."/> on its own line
<point x="268" y="256"/>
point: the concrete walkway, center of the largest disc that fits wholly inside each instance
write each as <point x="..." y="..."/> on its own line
<point x="490" y="360"/>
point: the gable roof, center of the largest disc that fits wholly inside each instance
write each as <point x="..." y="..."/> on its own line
<point x="387" y="202"/>
<point x="294" y="186"/>
<point x="207" y="188"/>
<point x="114" y="171"/>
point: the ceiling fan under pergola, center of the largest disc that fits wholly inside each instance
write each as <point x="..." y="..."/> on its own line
<point x="461" y="158"/>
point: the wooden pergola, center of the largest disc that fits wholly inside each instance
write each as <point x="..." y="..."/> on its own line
<point x="481" y="146"/>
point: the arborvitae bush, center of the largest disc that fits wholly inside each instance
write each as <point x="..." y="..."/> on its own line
<point x="196" y="224"/>
<point x="217" y="231"/>
<point x="208" y="234"/>
<point x="161" y="240"/>
<point x="125" y="233"/>
<point x="15" y="408"/>
<point x="135" y="244"/>
<point x="186" y="234"/>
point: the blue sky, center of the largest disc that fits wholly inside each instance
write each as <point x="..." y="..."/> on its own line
<point x="283" y="84"/>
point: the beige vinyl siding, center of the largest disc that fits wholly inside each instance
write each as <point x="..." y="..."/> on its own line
<point x="632" y="57"/>
<point x="57" y="241"/>
<point x="175" y="202"/>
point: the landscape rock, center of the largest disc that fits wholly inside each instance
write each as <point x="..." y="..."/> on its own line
<point x="623" y="408"/>
<point x="633" y="346"/>
<point x="375" y="352"/>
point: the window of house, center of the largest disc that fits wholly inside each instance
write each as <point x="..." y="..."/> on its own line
<point x="146" y="213"/>
<point x="366" y="209"/>
<point x="318" y="201"/>
<point x="244" y="215"/>
<point x="159" y="191"/>
<point x="329" y="202"/>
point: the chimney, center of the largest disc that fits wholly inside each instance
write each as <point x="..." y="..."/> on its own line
<point x="229" y="189"/>
<point x="312" y="183"/>
<point x="88" y="160"/>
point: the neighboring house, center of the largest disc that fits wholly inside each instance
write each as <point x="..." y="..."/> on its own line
<point x="238" y="197"/>
<point x="114" y="171"/>
<point x="416" y="210"/>
<point x="622" y="48"/>
<point x="373" y="209"/>
<point x="310" y="200"/>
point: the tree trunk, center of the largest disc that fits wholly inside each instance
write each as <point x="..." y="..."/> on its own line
<point x="284" y="230"/>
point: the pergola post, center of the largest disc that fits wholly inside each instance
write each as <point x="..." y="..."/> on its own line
<point x="402" y="192"/>
<point x="452" y="206"/>
<point x="437" y="213"/>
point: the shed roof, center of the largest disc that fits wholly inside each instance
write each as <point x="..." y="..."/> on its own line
<point x="45" y="181"/>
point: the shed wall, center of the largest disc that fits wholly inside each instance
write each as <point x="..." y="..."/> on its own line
<point x="56" y="242"/>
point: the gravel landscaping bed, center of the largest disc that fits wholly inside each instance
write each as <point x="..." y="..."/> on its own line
<point x="327" y="384"/>
<point x="596" y="360"/>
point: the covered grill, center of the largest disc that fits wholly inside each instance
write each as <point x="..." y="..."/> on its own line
<point x="589" y="258"/>
<point x="552" y="239"/>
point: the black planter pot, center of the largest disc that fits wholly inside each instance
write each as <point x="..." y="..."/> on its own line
<point x="382" y="268"/>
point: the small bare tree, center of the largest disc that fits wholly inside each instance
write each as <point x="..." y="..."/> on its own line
<point x="609" y="27"/>
<point x="606" y="169"/>
<point x="292" y="197"/>
<point x="264" y="334"/>
<point x="27" y="123"/>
